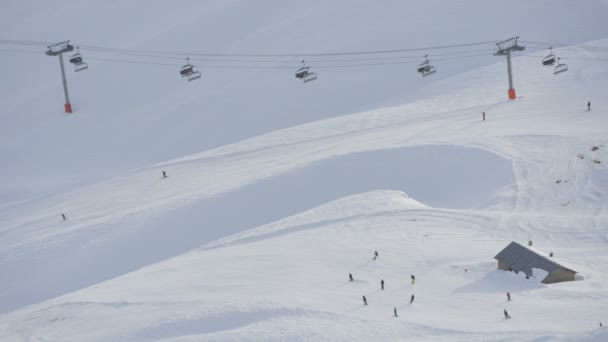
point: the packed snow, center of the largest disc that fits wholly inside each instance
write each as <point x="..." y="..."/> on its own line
<point x="276" y="190"/>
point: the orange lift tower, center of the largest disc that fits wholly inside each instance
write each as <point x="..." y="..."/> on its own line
<point x="504" y="49"/>
<point x="58" y="50"/>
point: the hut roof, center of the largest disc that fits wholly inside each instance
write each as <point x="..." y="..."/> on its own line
<point x="523" y="259"/>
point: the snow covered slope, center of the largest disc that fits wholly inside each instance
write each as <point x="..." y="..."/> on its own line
<point x="427" y="183"/>
<point x="132" y="115"/>
<point x="288" y="280"/>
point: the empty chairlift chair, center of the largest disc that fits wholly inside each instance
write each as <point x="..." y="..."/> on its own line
<point x="78" y="62"/>
<point x="549" y="60"/>
<point x="304" y="74"/>
<point x="560" y="67"/>
<point x="426" y="69"/>
<point x="188" y="71"/>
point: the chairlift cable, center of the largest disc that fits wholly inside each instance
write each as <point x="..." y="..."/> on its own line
<point x="364" y="52"/>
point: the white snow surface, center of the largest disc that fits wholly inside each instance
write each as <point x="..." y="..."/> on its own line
<point x="276" y="193"/>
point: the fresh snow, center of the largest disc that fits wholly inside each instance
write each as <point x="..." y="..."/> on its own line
<point x="278" y="190"/>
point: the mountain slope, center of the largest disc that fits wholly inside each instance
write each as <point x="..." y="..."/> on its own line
<point x="266" y="281"/>
<point x="129" y="115"/>
<point x="276" y="190"/>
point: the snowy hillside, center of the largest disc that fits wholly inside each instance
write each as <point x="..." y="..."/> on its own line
<point x="277" y="190"/>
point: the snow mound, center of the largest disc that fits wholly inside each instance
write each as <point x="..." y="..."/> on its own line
<point x="500" y="281"/>
<point x="341" y="210"/>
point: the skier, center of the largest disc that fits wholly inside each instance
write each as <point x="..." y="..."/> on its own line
<point x="508" y="297"/>
<point x="382" y="284"/>
<point x="507" y="315"/>
<point x="63" y="216"/>
<point x="412" y="299"/>
<point x="483" y="115"/>
<point x="588" y="105"/>
<point x="395" y="312"/>
<point x="601" y="325"/>
<point x="413" y="279"/>
<point x="164" y="174"/>
<point x="364" y="300"/>
<point x="350" y="277"/>
<point x="551" y="254"/>
<point x="375" y="254"/>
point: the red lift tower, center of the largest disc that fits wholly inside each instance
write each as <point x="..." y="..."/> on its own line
<point x="58" y="50"/>
<point x="504" y="49"/>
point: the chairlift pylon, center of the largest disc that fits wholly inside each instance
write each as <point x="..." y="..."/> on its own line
<point x="560" y="67"/>
<point x="549" y="60"/>
<point x="425" y="68"/>
<point x="77" y="60"/>
<point x="188" y="71"/>
<point x="304" y="74"/>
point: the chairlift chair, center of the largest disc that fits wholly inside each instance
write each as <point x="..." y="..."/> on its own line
<point x="560" y="67"/>
<point x="188" y="71"/>
<point x="81" y="66"/>
<point x="423" y="67"/>
<point x="304" y="74"/>
<point x="549" y="60"/>
<point x="431" y="70"/>
<point x="78" y="62"/>
<point x="426" y="69"/>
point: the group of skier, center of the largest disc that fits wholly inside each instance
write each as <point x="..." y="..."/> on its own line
<point x="413" y="282"/>
<point x="412" y="278"/>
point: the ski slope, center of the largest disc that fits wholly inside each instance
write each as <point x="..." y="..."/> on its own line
<point x="253" y="239"/>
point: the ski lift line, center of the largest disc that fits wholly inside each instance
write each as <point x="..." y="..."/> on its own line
<point x="22" y="51"/>
<point x="547" y="45"/>
<point x="133" y="62"/>
<point x="543" y="45"/>
<point x="368" y="52"/>
<point x="567" y="49"/>
<point x="571" y="58"/>
<point x="256" y="66"/>
<point x="279" y="67"/>
<point x="291" y="67"/>
<point x="284" y="61"/>
<point x="24" y="42"/>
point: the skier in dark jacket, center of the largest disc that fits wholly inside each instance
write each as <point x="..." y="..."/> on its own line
<point x="507" y="315"/>
<point x="508" y="296"/>
<point x="63" y="216"/>
<point x="364" y="300"/>
<point x="412" y="299"/>
<point x="382" y="284"/>
<point x="588" y="105"/>
<point x="395" y="312"/>
<point x="375" y="254"/>
<point x="350" y="277"/>
<point x="164" y="174"/>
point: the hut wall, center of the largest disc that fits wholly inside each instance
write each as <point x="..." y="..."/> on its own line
<point x="559" y="275"/>
<point x="503" y="266"/>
